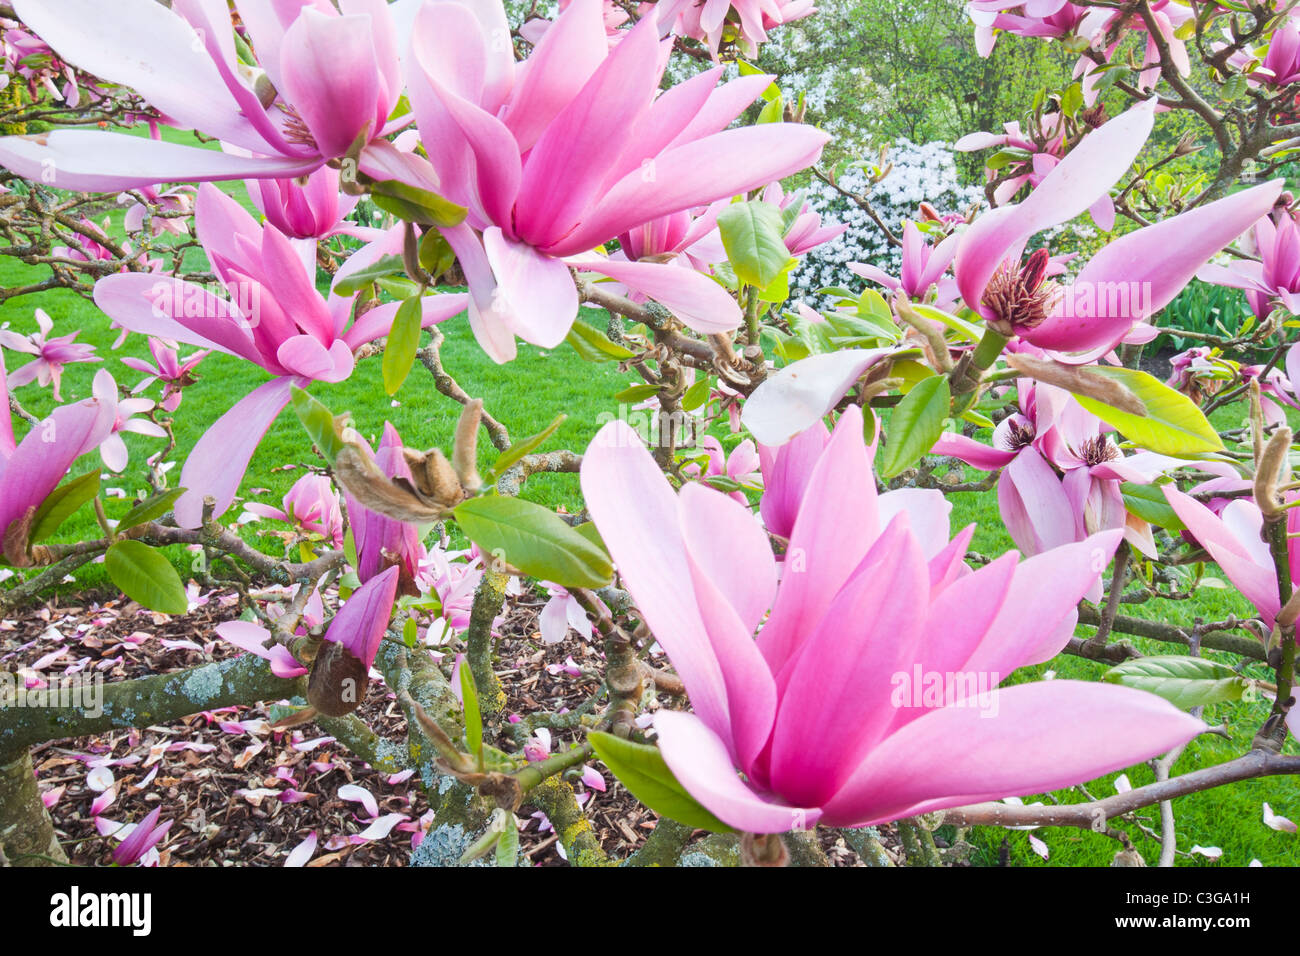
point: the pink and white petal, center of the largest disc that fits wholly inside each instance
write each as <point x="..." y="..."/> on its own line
<point x="217" y="462"/>
<point x="650" y="556"/>
<point x="534" y="293"/>
<point x="101" y="161"/>
<point x="699" y="760"/>
<point x="1029" y="738"/>
<point x="694" y="298"/>
<point x="303" y="852"/>
<point x="796" y="397"/>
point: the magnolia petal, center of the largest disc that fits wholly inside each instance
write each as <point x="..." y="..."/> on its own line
<point x="699" y="760"/>
<point x="796" y="397"/>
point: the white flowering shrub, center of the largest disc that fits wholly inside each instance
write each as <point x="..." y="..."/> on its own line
<point x="923" y="173"/>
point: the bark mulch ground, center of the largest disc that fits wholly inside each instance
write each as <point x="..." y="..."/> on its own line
<point x="242" y="794"/>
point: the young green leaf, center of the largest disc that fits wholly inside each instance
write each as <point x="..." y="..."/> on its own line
<point x="752" y="235"/>
<point x="916" y="424"/>
<point x="415" y="204"/>
<point x="1173" y="425"/>
<point x="473" y="716"/>
<point x="387" y="266"/>
<point x="1185" y="682"/>
<point x="403" y="343"/>
<point x="319" y="422"/>
<point x="594" y="345"/>
<point x="155" y="506"/>
<point x="146" y="577"/>
<point x="643" y="771"/>
<point x="535" y="540"/>
<point x="521" y="448"/>
<point x="61" y="503"/>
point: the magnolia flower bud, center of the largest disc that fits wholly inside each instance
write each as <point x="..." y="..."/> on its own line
<point x="338" y="680"/>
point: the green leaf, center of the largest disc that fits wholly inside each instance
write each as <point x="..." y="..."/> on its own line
<point x="967" y="330"/>
<point x="436" y="253"/>
<point x="387" y="266"/>
<point x="508" y="845"/>
<point x="403" y="342"/>
<point x="916" y="424"/>
<point x="155" y="506"/>
<point x="1072" y="99"/>
<point x="319" y="422"/>
<point x="696" y="395"/>
<point x="410" y="633"/>
<point x="637" y="393"/>
<point x="535" y="540"/>
<point x="778" y="290"/>
<point x="521" y="448"/>
<point x="145" y="576"/>
<point x="642" y="770"/>
<point x="1149" y="503"/>
<point x="473" y="716"/>
<point x="415" y="204"/>
<point x="1185" y="682"/>
<point x="588" y="530"/>
<point x="1173" y="425"/>
<point x="773" y="111"/>
<point x="752" y="235"/>
<point x="59" y="506"/>
<point x="594" y="345"/>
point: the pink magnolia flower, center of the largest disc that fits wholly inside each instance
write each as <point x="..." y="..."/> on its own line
<point x="360" y="624"/>
<point x="178" y="199"/>
<point x="381" y="541"/>
<point x="142" y="838"/>
<point x="326" y="80"/>
<point x="562" y="612"/>
<point x="167" y="368"/>
<point x="810" y="712"/>
<point x="312" y="506"/>
<point x="86" y="248"/>
<point x="1235" y="542"/>
<point x="113" y="449"/>
<point x="570" y="149"/>
<point x="1125" y="282"/>
<point x="707" y="20"/>
<point x="52" y="353"/>
<point x="252" y="638"/>
<point x="740" y="466"/>
<point x="805" y="230"/>
<point x="303" y="209"/>
<point x="924" y="266"/>
<point x="1272" y="281"/>
<point x="1057" y="19"/>
<point x="688" y="237"/>
<point x="1052" y="433"/>
<point x="271" y="315"/>
<point x="32" y="468"/>
<point x="1279" y="66"/>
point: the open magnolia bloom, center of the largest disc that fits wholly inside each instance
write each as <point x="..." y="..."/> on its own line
<point x="1127" y="281"/>
<point x="569" y="149"/>
<point x="823" y="716"/>
<point x="324" y="85"/>
<point x="270" y="314"/>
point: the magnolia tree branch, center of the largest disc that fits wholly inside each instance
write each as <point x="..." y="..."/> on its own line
<point x="431" y="358"/>
<point x="158" y="699"/>
<point x="27" y="836"/>
<point x="1095" y="813"/>
<point x="1171" y="634"/>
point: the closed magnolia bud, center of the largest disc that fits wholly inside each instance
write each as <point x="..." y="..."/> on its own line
<point x="1128" y="857"/>
<point x="338" y="681"/>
